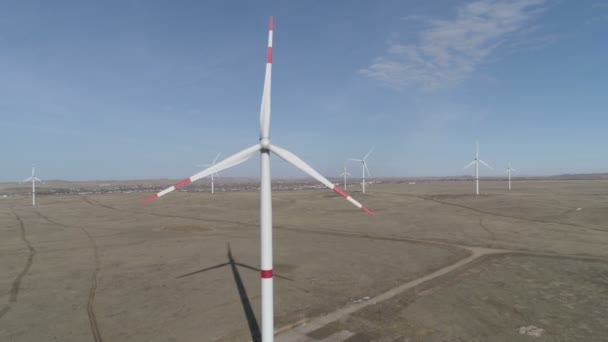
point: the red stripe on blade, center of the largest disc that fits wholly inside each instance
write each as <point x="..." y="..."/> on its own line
<point x="340" y="191"/>
<point x="269" y="58"/>
<point x="266" y="274"/>
<point x="182" y="183"/>
<point x="369" y="212"/>
<point x="271" y="23"/>
<point x="151" y="198"/>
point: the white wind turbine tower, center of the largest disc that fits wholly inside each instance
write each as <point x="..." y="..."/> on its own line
<point x="345" y="173"/>
<point x="509" y="170"/>
<point x="213" y="174"/>
<point x="34" y="179"/>
<point x="264" y="147"/>
<point x="476" y="162"/>
<point x="364" y="168"/>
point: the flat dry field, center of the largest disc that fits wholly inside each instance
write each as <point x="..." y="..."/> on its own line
<point x="435" y="264"/>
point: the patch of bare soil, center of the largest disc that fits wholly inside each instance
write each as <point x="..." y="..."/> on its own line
<point x="186" y="229"/>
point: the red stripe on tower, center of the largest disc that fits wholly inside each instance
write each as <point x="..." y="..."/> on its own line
<point x="182" y="183"/>
<point x="340" y="191"/>
<point x="270" y="26"/>
<point x="266" y="274"/>
<point x="269" y="59"/>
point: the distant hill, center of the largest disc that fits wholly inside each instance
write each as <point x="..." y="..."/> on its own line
<point x="581" y="176"/>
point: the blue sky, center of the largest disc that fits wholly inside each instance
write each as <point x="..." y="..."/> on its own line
<point x="149" y="89"/>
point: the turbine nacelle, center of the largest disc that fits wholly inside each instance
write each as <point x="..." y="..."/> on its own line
<point x="265" y="144"/>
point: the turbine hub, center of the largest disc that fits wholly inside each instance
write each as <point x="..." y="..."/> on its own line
<point x="265" y="143"/>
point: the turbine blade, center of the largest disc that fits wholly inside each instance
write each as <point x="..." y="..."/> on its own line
<point x="215" y="159"/>
<point x="484" y="163"/>
<point x="300" y="164"/>
<point x="366" y="169"/>
<point x="353" y="159"/>
<point x="27" y="179"/>
<point x="469" y="164"/>
<point x="229" y="162"/>
<point x="507" y="170"/>
<point x="265" y="110"/>
<point x="37" y="179"/>
<point x="512" y="169"/>
<point x="368" y="153"/>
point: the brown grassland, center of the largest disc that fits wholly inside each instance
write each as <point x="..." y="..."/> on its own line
<point x="437" y="263"/>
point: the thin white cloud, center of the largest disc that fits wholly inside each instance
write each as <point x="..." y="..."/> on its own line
<point x="414" y="17"/>
<point x="448" y="51"/>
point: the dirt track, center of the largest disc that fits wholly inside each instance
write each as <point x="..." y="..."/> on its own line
<point x="110" y="260"/>
<point x="16" y="286"/>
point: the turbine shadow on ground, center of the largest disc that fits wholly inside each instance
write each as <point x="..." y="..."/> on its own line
<point x="254" y="328"/>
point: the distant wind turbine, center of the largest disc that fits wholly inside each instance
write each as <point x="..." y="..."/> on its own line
<point x="213" y="174"/>
<point x="364" y="168"/>
<point x="345" y="173"/>
<point x="476" y="162"/>
<point x="34" y="180"/>
<point x="509" y="169"/>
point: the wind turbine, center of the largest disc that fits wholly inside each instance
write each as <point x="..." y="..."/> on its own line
<point x="476" y="162"/>
<point x="509" y="169"/>
<point x="364" y="168"/>
<point x="34" y="179"/>
<point x="345" y="173"/>
<point x="264" y="147"/>
<point x="213" y="174"/>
